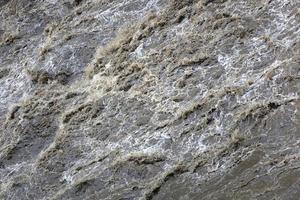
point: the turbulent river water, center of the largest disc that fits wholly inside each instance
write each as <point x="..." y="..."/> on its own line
<point x="150" y="99"/>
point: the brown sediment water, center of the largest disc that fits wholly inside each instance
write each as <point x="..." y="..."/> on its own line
<point x="150" y="99"/>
